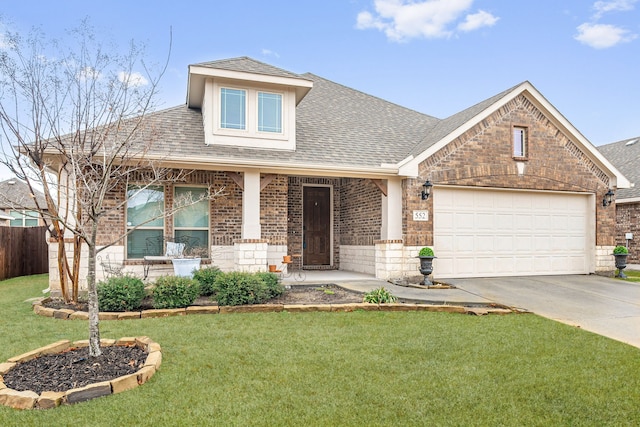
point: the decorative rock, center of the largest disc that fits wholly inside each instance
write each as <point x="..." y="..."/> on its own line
<point x="107" y="342"/>
<point x="442" y="308"/>
<point x="398" y="307"/>
<point x="154" y="359"/>
<point x="129" y="315"/>
<point x="345" y="307"/>
<point x="91" y="391"/>
<point x="124" y="383"/>
<point x="253" y="308"/>
<point x="145" y="374"/>
<point x="126" y="341"/>
<point x="302" y="308"/>
<point x="50" y="399"/>
<point x="107" y="315"/>
<point x="25" y="356"/>
<point x="56" y="347"/>
<point x="163" y="312"/>
<point x="204" y="309"/>
<point x="43" y="311"/>
<point x="18" y="399"/>
<point x="81" y="343"/>
<point x="79" y="315"/>
<point x="62" y="313"/>
<point x="4" y="367"/>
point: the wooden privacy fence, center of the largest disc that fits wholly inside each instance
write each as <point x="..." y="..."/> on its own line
<point x="23" y="251"/>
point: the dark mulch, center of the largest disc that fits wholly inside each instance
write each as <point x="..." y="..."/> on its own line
<point x="74" y="368"/>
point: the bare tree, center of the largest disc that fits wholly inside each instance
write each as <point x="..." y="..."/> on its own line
<point x="75" y="118"/>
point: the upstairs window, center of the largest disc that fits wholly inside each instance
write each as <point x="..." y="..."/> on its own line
<point x="519" y="142"/>
<point x="269" y="112"/>
<point x="233" y="109"/>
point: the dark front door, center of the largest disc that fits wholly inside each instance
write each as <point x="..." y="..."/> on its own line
<point x="317" y="225"/>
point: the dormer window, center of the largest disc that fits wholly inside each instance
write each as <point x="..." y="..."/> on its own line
<point x="233" y="108"/>
<point x="269" y="112"/>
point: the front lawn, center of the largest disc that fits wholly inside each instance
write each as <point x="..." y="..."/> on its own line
<point x="632" y="275"/>
<point x="361" y="368"/>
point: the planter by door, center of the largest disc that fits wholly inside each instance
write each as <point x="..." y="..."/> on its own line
<point x="621" y="264"/>
<point x="426" y="268"/>
<point x="184" y="267"/>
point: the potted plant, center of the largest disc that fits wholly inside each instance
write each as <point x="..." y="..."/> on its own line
<point x="621" y="253"/>
<point x="185" y="263"/>
<point x="426" y="264"/>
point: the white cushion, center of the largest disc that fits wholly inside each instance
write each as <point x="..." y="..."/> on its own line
<point x="174" y="249"/>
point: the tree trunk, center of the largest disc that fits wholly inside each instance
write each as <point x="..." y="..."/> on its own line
<point x="94" y="329"/>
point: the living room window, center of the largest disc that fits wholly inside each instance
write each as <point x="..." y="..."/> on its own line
<point x="145" y="209"/>
<point x="192" y="221"/>
<point x="519" y="142"/>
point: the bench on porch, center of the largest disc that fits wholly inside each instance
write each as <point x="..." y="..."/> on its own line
<point x="168" y="248"/>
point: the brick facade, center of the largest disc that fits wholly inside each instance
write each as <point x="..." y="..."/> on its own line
<point x="483" y="157"/>
<point x="360" y="212"/>
<point x="628" y="221"/>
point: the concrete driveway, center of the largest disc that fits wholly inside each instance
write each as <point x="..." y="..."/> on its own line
<point x="598" y="304"/>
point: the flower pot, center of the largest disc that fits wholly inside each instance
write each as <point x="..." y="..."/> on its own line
<point x="272" y="268"/>
<point x="286" y="259"/>
<point x="621" y="264"/>
<point x="426" y="268"/>
<point x="184" y="267"/>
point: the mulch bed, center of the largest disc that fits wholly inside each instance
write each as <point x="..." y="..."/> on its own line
<point x="74" y="368"/>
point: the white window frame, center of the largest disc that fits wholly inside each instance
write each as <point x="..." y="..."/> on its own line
<point x="264" y="92"/>
<point x="144" y="227"/>
<point x="519" y="135"/>
<point x="246" y="103"/>
<point x="207" y="228"/>
<point x="25" y="215"/>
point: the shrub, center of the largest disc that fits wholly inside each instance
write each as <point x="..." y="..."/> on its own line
<point x="379" y="296"/>
<point x="206" y="277"/>
<point x="175" y="292"/>
<point x="124" y="293"/>
<point x="426" y="251"/>
<point x="238" y="288"/>
<point x="273" y="283"/>
<point x="620" y="250"/>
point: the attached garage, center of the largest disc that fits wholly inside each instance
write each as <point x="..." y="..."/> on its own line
<point x="491" y="232"/>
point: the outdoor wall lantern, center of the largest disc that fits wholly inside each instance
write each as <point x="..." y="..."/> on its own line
<point x="426" y="189"/>
<point x="608" y="198"/>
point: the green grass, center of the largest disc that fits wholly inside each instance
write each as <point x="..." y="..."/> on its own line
<point x="632" y="275"/>
<point x="361" y="368"/>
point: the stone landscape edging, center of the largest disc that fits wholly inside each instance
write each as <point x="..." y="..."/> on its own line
<point x="63" y="313"/>
<point x="51" y="399"/>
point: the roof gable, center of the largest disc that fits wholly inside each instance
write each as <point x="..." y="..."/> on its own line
<point x="15" y="194"/>
<point x="625" y="155"/>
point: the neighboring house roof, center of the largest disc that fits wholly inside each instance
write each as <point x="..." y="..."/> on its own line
<point x="15" y="194"/>
<point x="625" y="155"/>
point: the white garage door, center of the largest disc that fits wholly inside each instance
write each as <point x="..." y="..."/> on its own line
<point x="485" y="233"/>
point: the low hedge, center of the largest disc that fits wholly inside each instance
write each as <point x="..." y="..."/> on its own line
<point x="239" y="288"/>
<point x="123" y="293"/>
<point x="175" y="292"/>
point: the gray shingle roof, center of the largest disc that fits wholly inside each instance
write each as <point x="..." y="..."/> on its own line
<point x="335" y="125"/>
<point x="248" y="65"/>
<point x="625" y="156"/>
<point x="15" y="194"/>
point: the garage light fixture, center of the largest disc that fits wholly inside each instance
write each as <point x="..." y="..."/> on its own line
<point x="426" y="189"/>
<point x="608" y="198"/>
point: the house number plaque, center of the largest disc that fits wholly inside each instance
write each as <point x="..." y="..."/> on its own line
<point x="421" y="215"/>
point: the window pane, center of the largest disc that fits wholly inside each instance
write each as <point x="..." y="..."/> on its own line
<point x="232" y="108"/>
<point x="17" y="221"/>
<point x="518" y="142"/>
<point x="143" y="205"/>
<point x="269" y="112"/>
<point x="199" y="237"/>
<point x="196" y="215"/>
<point x="31" y="219"/>
<point x="144" y="242"/>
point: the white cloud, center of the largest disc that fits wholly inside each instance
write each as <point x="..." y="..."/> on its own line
<point x="478" y="20"/>
<point x="268" y="52"/>
<point x="602" y="36"/>
<point x="602" y="7"/>
<point x="401" y="20"/>
<point x="134" y="79"/>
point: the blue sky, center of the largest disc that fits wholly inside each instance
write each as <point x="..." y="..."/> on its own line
<point x="436" y="56"/>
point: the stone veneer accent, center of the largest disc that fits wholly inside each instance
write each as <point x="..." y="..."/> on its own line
<point x="50" y="399"/>
<point x="361" y="259"/>
<point x="250" y="255"/>
<point x="605" y="261"/>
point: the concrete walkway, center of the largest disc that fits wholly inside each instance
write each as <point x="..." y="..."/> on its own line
<point x="602" y="305"/>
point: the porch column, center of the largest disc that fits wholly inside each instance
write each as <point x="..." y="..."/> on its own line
<point x="251" y="206"/>
<point x="392" y="211"/>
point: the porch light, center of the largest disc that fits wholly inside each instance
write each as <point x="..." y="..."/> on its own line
<point x="608" y="198"/>
<point x="426" y="189"/>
